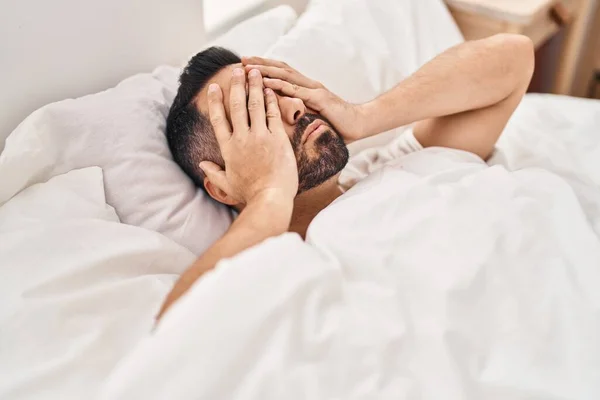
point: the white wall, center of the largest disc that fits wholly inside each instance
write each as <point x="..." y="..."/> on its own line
<point x="51" y="50"/>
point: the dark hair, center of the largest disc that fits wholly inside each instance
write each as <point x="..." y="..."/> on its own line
<point x="190" y="135"/>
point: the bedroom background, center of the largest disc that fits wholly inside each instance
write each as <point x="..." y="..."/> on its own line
<point x="57" y="50"/>
<point x="67" y="48"/>
<point x="97" y="222"/>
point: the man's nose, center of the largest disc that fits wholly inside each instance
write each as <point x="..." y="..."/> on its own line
<point x="291" y="109"/>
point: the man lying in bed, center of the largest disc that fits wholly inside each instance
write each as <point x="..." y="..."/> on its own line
<point x="262" y="138"/>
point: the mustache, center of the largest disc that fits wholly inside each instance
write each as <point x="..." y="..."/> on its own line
<point x="304" y="122"/>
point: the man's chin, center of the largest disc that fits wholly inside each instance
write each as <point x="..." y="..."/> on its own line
<point x="319" y="174"/>
<point x="321" y="159"/>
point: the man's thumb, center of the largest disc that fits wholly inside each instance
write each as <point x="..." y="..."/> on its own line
<point x="209" y="167"/>
<point x="215" y="174"/>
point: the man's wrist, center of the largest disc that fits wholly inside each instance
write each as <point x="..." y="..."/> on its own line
<point x="276" y="206"/>
<point x="367" y="115"/>
<point x="273" y="197"/>
<point x="384" y="113"/>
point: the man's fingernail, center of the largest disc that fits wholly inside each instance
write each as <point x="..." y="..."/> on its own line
<point x="238" y="72"/>
<point x="213" y="87"/>
<point x="268" y="91"/>
<point x="254" y="72"/>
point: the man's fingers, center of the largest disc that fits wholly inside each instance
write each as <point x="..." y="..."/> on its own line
<point x="216" y="112"/>
<point x="237" y="101"/>
<point x="256" y="102"/>
<point x="216" y="175"/>
<point x="289" y="89"/>
<point x="263" y="61"/>
<point x="286" y="74"/>
<point x="273" y="113"/>
<point x="272" y="72"/>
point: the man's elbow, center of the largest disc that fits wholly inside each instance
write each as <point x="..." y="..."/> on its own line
<point x="519" y="54"/>
<point x="524" y="52"/>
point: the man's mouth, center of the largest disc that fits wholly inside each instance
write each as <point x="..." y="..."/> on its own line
<point x="315" y="127"/>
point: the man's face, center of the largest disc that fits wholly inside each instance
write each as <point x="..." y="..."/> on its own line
<point x="320" y="151"/>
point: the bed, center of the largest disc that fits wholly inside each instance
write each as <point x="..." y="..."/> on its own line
<point x="479" y="282"/>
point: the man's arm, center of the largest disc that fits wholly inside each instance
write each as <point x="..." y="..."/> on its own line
<point x="260" y="172"/>
<point x="265" y="216"/>
<point x="463" y="98"/>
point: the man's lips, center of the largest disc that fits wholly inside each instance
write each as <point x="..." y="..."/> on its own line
<point x="311" y="128"/>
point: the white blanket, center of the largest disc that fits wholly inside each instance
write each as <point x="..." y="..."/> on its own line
<point x="78" y="288"/>
<point x="467" y="282"/>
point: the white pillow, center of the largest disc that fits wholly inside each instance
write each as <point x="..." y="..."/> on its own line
<point x="256" y="35"/>
<point x="121" y="130"/>
<point x="360" y="48"/>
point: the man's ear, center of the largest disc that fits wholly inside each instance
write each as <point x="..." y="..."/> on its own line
<point x="216" y="184"/>
<point x="219" y="194"/>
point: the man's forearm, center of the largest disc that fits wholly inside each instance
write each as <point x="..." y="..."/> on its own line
<point x="469" y="76"/>
<point x="267" y="216"/>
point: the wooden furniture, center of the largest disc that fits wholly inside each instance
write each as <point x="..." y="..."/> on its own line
<point x="538" y="19"/>
<point x="589" y="64"/>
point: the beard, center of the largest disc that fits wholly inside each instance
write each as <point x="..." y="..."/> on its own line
<point x="332" y="154"/>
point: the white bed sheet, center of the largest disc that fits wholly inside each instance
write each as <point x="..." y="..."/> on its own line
<point x="469" y="282"/>
<point x="79" y="289"/>
<point x="450" y="307"/>
<point x="559" y="134"/>
<point x="406" y="315"/>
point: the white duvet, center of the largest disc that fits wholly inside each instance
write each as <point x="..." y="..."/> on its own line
<point x="464" y="282"/>
<point x="78" y="288"/>
<point x="460" y="282"/>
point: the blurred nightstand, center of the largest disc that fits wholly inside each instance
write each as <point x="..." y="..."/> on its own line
<point x="538" y="19"/>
